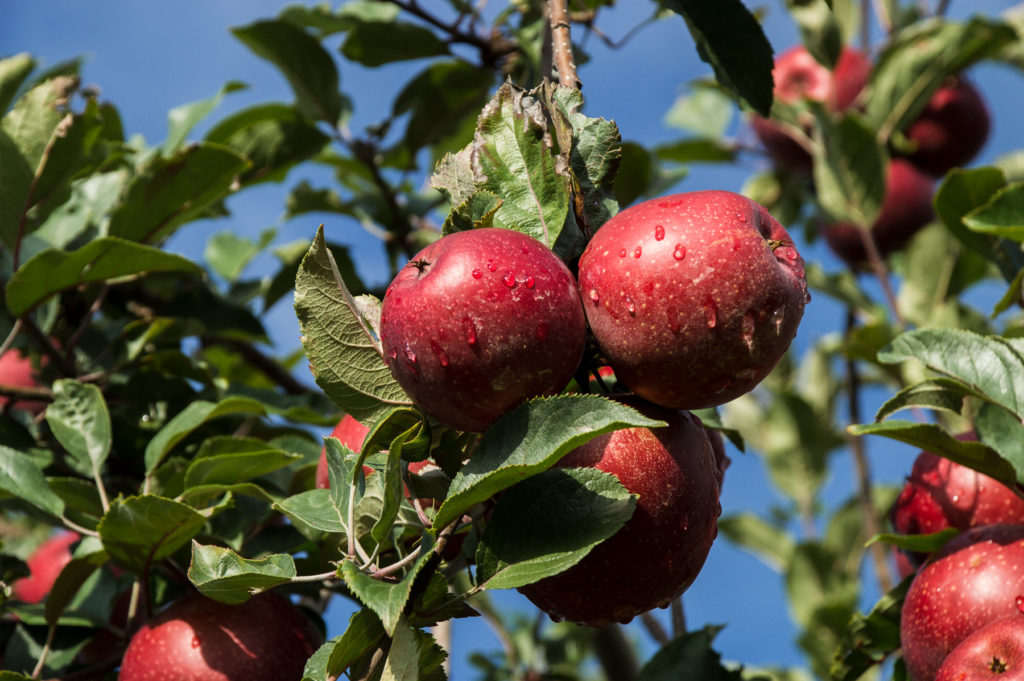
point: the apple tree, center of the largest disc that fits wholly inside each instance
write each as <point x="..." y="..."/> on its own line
<point x="507" y="413"/>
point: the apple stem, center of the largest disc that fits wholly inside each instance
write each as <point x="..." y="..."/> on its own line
<point x="654" y="628"/>
<point x="85" y="532"/>
<point x="872" y="526"/>
<point x="616" y="655"/>
<point x="678" y="617"/>
<point x="561" y="44"/>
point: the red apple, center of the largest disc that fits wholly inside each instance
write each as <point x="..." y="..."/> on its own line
<point x="940" y="493"/>
<point x="660" y="550"/>
<point x="907" y="208"/>
<point x="199" y="639"/>
<point x="995" y="651"/>
<point x="951" y="130"/>
<point x="722" y="460"/>
<point x="479" y="322"/>
<point x="693" y="298"/>
<point x="798" y="76"/>
<point x="976" y="578"/>
<point x="44" y="565"/>
<point x="16" y="370"/>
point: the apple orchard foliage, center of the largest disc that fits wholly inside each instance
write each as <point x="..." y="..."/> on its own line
<point x="184" y="452"/>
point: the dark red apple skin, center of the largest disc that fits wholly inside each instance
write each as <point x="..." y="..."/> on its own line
<point x="722" y="460"/>
<point x="16" y="370"/>
<point x="661" y="549"/>
<point x="44" y="565"/>
<point x="940" y="493"/>
<point x="976" y="578"/>
<point x="951" y="130"/>
<point x="797" y="76"/>
<point x="199" y="639"/>
<point x="906" y="208"/>
<point x="693" y="298"/>
<point x="995" y="651"/>
<point x="479" y="322"/>
<point x="351" y="433"/>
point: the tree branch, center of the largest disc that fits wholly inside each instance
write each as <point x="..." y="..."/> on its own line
<point x="561" y="43"/>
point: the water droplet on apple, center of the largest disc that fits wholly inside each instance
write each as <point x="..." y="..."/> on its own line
<point x="411" y="356"/>
<point x="195" y="642"/>
<point x="594" y="295"/>
<point x="392" y="353"/>
<point x="622" y="253"/>
<point x="509" y="279"/>
<point x="637" y="252"/>
<point x="747" y="330"/>
<point x="491" y="266"/>
<point x="439" y="351"/>
<point x="529" y="282"/>
<point x="659" y="232"/>
<point x="680" y="252"/>
<point x="542" y="331"/>
<point x="630" y="305"/>
<point x="469" y="330"/>
<point x="741" y="217"/>
<point x="1020" y="603"/>
<point x="710" y="313"/>
<point x="477" y="274"/>
<point x="778" y="316"/>
<point x="737" y="244"/>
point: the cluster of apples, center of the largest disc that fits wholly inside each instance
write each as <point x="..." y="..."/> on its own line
<point x="690" y="300"/>
<point x="963" y="616"/>
<point x="949" y="133"/>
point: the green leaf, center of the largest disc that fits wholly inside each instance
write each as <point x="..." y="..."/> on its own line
<point x="689" y="657"/>
<point x="274" y="137"/>
<point x="373" y="43"/>
<point x="964" y="191"/>
<point x="731" y="40"/>
<point x="475" y="212"/>
<point x="229" y="254"/>
<point x="1002" y="216"/>
<point x="105" y="259"/>
<point x="918" y="58"/>
<point x="930" y="437"/>
<point x="140" y="531"/>
<point x="391" y="487"/>
<point x="1002" y="431"/>
<point x="989" y="366"/>
<point x="70" y="580"/>
<point x="530" y="439"/>
<point x="870" y="638"/>
<point x="513" y="159"/>
<point x="413" y="656"/>
<point x="361" y="636"/>
<point x="226" y="460"/>
<point x="400" y="422"/>
<point x="387" y="599"/>
<point x="442" y="99"/>
<point x="13" y="72"/>
<point x="706" y="110"/>
<point x="918" y="543"/>
<point x="21" y="477"/>
<point x="695" y="150"/>
<point x="182" y="119"/>
<point x="314" y="508"/>
<point x="79" y="419"/>
<point x="191" y="417"/>
<point x="225" y="576"/>
<point x="773" y="545"/>
<point x="171" y="191"/>
<point x="548" y="523"/>
<point x="926" y="395"/>
<point x="302" y="60"/>
<point x="849" y="169"/>
<point x="341" y="343"/>
<point x="819" y="31"/>
<point x="91" y="200"/>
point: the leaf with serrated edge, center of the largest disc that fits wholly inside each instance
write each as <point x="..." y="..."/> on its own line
<point x="548" y="523"/>
<point x="926" y="394"/>
<point x="140" y="531"/>
<point x="344" y="354"/>
<point x="225" y="576"/>
<point x="387" y="599"/>
<point x="363" y="633"/>
<point x="1002" y="216"/>
<point x="20" y="476"/>
<point x="314" y="508"/>
<point x="79" y="419"/>
<point x="988" y="365"/>
<point x="849" y="169"/>
<point x="513" y="158"/>
<point x="530" y="439"/>
<point x="190" y="418"/>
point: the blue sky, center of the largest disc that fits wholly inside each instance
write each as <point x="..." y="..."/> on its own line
<point x="148" y="57"/>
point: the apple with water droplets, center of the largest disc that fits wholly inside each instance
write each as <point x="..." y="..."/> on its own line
<point x="976" y="578"/>
<point x="952" y="128"/>
<point x="906" y="208"/>
<point x="199" y="639"/>
<point x="661" y="549"/>
<point x="995" y="651"/>
<point x="693" y="298"/>
<point x="798" y="75"/>
<point x="480" y="321"/>
<point x="940" y="493"/>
